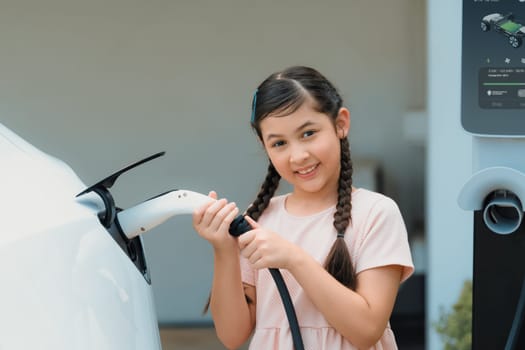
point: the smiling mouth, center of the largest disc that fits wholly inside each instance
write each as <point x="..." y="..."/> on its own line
<point x="307" y="171"/>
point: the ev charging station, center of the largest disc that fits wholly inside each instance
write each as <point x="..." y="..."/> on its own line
<point x="493" y="112"/>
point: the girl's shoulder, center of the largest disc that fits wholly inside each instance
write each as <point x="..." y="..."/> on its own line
<point x="277" y="203"/>
<point x="367" y="202"/>
<point x="275" y="209"/>
<point x="367" y="196"/>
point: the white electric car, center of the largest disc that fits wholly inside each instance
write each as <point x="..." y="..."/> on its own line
<point x="72" y="277"/>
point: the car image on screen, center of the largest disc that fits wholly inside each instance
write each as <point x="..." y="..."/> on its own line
<point x="506" y="25"/>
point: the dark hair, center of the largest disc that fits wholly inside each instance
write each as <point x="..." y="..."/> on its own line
<point x="281" y="94"/>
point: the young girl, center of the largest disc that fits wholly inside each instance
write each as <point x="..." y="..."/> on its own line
<point x="342" y="251"/>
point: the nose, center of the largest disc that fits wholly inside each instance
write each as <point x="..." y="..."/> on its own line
<point x="298" y="154"/>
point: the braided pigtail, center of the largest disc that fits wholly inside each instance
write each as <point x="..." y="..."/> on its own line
<point x="338" y="262"/>
<point x="268" y="188"/>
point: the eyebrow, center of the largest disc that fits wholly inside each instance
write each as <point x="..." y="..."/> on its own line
<point x="301" y="127"/>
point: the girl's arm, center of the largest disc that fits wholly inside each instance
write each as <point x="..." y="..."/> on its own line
<point x="361" y="316"/>
<point x="233" y="317"/>
<point x="233" y="314"/>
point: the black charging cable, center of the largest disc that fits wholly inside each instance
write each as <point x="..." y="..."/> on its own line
<point x="237" y="228"/>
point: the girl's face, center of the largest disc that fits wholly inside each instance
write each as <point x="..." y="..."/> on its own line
<point x="304" y="148"/>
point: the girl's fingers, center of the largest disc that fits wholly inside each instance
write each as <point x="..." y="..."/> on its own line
<point x="199" y="212"/>
<point x="245" y="239"/>
<point x="228" y="218"/>
<point x="249" y="251"/>
<point x="254" y="258"/>
<point x="218" y="221"/>
<point x="254" y="224"/>
<point x="211" y="211"/>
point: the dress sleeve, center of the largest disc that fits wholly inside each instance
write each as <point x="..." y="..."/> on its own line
<point x="384" y="240"/>
<point x="247" y="272"/>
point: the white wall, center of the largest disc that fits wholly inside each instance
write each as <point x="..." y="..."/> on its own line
<point x="449" y="165"/>
<point x="101" y="84"/>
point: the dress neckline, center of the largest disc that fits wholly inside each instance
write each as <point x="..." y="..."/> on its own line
<point x="322" y="212"/>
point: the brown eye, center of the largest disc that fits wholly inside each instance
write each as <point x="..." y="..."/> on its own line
<point x="308" y="133"/>
<point x="278" y="144"/>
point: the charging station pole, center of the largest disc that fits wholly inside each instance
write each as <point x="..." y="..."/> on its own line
<point x="493" y="112"/>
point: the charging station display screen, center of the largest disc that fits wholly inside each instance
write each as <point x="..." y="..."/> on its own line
<point x="493" y="67"/>
<point x="501" y="87"/>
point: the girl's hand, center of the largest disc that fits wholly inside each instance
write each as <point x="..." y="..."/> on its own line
<point x="212" y="221"/>
<point x="266" y="249"/>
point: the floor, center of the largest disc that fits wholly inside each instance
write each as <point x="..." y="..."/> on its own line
<point x="205" y="339"/>
<point x="190" y="339"/>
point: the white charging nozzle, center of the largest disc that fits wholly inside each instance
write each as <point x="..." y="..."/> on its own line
<point x="153" y="212"/>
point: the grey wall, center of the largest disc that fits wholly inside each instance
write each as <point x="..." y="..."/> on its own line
<point x="101" y="84"/>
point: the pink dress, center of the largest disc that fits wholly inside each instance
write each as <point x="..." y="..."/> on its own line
<point x="376" y="237"/>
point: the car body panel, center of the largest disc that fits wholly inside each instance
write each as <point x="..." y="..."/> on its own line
<point x="66" y="284"/>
